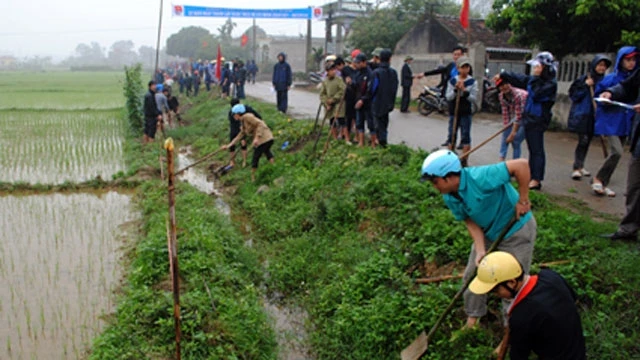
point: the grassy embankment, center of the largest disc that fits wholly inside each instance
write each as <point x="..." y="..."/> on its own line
<point x="221" y="305"/>
<point x="344" y="240"/>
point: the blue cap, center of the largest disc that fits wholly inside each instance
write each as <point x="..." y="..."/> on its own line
<point x="159" y="87"/>
<point x="238" y="109"/>
<point x="440" y="163"/>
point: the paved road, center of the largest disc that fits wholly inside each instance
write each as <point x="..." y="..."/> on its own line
<point x="428" y="133"/>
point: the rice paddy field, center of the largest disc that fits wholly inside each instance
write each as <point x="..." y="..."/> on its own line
<point x="59" y="253"/>
<point x="60" y="126"/>
<point x="58" y="267"/>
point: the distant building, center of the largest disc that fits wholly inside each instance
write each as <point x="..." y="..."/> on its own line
<point x="294" y="47"/>
<point x="8" y="62"/>
<point x="431" y="41"/>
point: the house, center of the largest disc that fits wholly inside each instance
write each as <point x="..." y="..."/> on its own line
<point x="431" y="40"/>
<point x="8" y="62"/>
<point x="430" y="43"/>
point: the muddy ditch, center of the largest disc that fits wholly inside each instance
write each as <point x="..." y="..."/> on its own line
<point x="288" y="321"/>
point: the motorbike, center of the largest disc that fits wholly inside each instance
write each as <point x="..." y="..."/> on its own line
<point x="431" y="100"/>
<point x="315" y="77"/>
<point x="490" y="99"/>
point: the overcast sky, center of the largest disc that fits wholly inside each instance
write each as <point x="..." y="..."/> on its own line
<point x="56" y="27"/>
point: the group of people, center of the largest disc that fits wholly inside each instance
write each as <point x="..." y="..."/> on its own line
<point x="190" y="77"/>
<point x="160" y="106"/>
<point x="539" y="310"/>
<point x="359" y="93"/>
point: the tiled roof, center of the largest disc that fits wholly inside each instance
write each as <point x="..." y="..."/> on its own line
<point x="477" y="31"/>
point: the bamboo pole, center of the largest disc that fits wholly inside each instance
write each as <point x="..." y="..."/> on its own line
<point x="204" y="158"/>
<point x="172" y="243"/>
<point x="435" y="279"/>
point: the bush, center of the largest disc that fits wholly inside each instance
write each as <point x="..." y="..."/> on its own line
<point x="133" y="93"/>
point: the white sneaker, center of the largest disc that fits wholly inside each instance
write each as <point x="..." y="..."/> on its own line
<point x="585" y="172"/>
<point x="609" y="192"/>
<point x="576" y="175"/>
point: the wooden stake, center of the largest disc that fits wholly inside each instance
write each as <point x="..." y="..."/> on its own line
<point x="172" y="243"/>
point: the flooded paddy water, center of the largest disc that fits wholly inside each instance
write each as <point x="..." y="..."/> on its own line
<point x="60" y="253"/>
<point x="58" y="268"/>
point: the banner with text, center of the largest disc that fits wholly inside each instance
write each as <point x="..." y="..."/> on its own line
<point x="202" y="11"/>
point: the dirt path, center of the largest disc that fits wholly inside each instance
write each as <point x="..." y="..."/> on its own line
<point x="428" y="133"/>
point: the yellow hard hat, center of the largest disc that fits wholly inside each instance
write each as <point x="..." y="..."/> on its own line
<point x="495" y="268"/>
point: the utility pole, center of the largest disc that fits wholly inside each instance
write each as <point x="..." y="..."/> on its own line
<point x="307" y="62"/>
<point x="255" y="42"/>
<point x="158" y="41"/>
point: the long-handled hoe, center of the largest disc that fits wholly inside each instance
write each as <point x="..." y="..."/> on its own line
<point x="419" y="346"/>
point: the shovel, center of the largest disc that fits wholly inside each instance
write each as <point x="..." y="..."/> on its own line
<point x="419" y="346"/>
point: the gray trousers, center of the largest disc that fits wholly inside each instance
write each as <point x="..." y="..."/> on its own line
<point x="630" y="223"/>
<point x="611" y="162"/>
<point x="520" y="245"/>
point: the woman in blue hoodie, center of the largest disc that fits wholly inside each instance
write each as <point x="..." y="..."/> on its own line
<point x="582" y="113"/>
<point x="613" y="122"/>
<point x="542" y="88"/>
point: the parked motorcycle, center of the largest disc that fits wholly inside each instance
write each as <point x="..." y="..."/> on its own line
<point x="315" y="77"/>
<point x="431" y="99"/>
<point x="490" y="100"/>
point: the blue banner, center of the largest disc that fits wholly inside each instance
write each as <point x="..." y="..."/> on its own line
<point x="202" y="11"/>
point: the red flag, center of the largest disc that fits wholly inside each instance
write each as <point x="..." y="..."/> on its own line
<point x="219" y="64"/>
<point x="244" y="40"/>
<point x="464" y="14"/>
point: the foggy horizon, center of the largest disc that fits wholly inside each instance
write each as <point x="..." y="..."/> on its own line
<point x="60" y="29"/>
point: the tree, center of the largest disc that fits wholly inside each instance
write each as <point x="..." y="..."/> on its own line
<point x="122" y="53"/>
<point x="570" y="26"/>
<point x="189" y="41"/>
<point x="147" y="56"/>
<point x="89" y="54"/>
<point x="224" y="32"/>
<point x="391" y="20"/>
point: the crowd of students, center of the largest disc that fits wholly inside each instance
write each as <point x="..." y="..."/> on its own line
<point x="190" y="77"/>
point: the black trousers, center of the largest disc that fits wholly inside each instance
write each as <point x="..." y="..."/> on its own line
<point x="406" y="98"/>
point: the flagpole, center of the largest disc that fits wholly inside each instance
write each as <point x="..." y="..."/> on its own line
<point x="158" y="41"/>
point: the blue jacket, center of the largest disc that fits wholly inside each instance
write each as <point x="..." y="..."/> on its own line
<point x="614" y="120"/>
<point x="225" y="76"/>
<point x="628" y="91"/>
<point x="384" y="89"/>
<point x="281" y="79"/>
<point x="542" y="95"/>
<point x="582" y="114"/>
